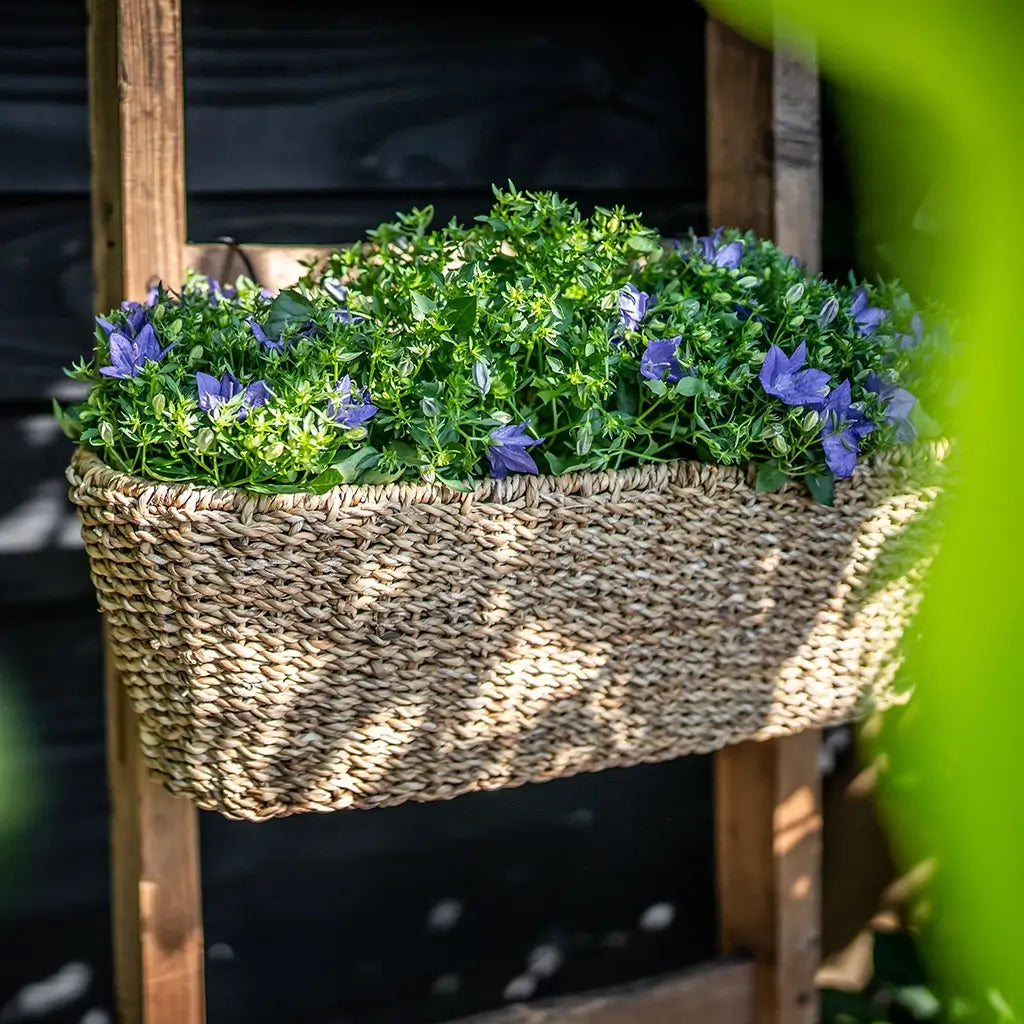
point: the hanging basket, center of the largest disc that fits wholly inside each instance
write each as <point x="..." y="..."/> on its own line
<point x="379" y="644"/>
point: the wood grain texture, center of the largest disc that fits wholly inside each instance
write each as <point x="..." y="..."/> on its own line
<point x="796" y="108"/>
<point x="740" y="150"/>
<point x="335" y="98"/>
<point x="764" y="142"/>
<point x="716" y="993"/>
<point x="768" y="827"/>
<point x="138" y="227"/>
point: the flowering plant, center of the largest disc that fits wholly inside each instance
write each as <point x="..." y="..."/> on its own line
<point x="535" y="339"/>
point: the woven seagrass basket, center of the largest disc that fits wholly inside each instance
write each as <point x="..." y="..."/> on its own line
<point x="379" y="644"/>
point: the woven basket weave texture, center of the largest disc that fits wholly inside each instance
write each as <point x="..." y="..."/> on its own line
<point x="373" y="645"/>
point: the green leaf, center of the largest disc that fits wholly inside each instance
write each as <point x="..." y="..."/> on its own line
<point x="659" y="387"/>
<point x="770" y="478"/>
<point x="642" y="243"/>
<point x="689" y="386"/>
<point x="455" y="483"/>
<point x="422" y="306"/>
<point x="349" y="468"/>
<point x="324" y="482"/>
<point x="460" y="315"/>
<point x="289" y="307"/>
<point x="822" y="488"/>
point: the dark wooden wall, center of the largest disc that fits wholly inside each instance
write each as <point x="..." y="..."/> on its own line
<point x="310" y="123"/>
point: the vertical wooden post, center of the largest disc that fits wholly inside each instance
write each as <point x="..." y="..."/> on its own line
<point x="764" y="173"/>
<point x="138" y="224"/>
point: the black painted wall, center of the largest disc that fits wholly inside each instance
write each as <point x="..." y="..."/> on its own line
<point x="307" y="123"/>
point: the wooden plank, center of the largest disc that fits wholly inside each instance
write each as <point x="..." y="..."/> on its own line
<point x="764" y="141"/>
<point x="796" y="115"/>
<point x="341" y="99"/>
<point x="739" y="131"/>
<point x="716" y="993"/>
<point x="764" y="174"/>
<point x="274" y="266"/>
<point x="138" y="223"/>
<point x="768" y="828"/>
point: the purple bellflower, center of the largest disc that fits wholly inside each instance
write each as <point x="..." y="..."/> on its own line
<point x="843" y="427"/>
<point x="633" y="305"/>
<point x="659" y="360"/>
<point x="129" y="355"/>
<point x="782" y="377"/>
<point x="508" y="453"/>
<point x="866" y="317"/>
<point x="898" y="404"/>
<point x="726" y="255"/>
<point x="214" y="393"/>
<point x="916" y="335"/>
<point x="271" y="344"/>
<point x="352" y="408"/>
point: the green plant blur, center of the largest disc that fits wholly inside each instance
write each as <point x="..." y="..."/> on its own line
<point x="954" y="73"/>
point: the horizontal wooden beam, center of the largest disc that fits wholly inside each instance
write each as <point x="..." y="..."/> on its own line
<point x="273" y="266"/>
<point x="721" y="992"/>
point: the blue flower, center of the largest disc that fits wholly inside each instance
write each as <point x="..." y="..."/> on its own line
<point x="128" y="356"/>
<point x="916" y="335"/>
<point x="508" y="453"/>
<point x="782" y="377"/>
<point x="727" y="255"/>
<point x="659" y="360"/>
<point x="633" y="305"/>
<point x="843" y="427"/>
<point x="271" y="344"/>
<point x="352" y="408"/>
<point x="867" y="318"/>
<point x="898" y="403"/>
<point x="214" y="393"/>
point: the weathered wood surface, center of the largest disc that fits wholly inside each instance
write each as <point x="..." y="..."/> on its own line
<point x="138" y="235"/>
<point x="41" y="555"/>
<point x="764" y="142"/>
<point x="716" y="993"/>
<point x="768" y="825"/>
<point x="335" y="98"/>
<point x="764" y="168"/>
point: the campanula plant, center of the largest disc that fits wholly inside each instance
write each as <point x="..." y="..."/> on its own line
<point x="534" y="340"/>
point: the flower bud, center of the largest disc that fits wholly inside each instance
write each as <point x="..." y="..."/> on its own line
<point x="159" y="404"/>
<point x="828" y="313"/>
<point x="779" y="444"/>
<point x="482" y="376"/>
<point x="106" y="432"/>
<point x="204" y="440"/>
<point x="795" y="294"/>
<point x="811" y="422"/>
<point x="584" y="440"/>
<point x="429" y="407"/>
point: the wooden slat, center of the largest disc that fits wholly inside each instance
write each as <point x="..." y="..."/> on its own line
<point x="739" y="131"/>
<point x="796" y="112"/>
<point x="717" y="993"/>
<point x="764" y="174"/>
<point x="764" y="142"/>
<point x="273" y="266"/>
<point x="138" y="217"/>
<point x="768" y="827"/>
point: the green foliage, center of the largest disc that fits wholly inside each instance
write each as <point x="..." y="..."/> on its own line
<point x="458" y="330"/>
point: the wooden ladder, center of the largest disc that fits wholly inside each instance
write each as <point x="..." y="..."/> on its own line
<point x="763" y="145"/>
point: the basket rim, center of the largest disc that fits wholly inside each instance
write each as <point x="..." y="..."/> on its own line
<point x="87" y="470"/>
